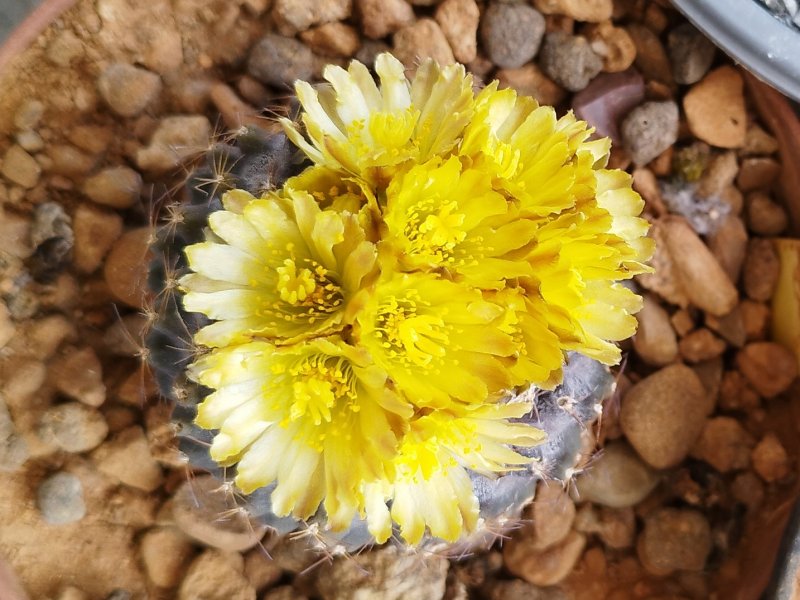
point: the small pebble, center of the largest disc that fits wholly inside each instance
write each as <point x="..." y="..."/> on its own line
<point x="651" y="57"/>
<point x="529" y="80"/>
<point x="761" y="269"/>
<point x="96" y="230"/>
<point x="380" y="18"/>
<point x="691" y="53"/>
<point x="29" y="140"/>
<point x="764" y="216"/>
<point x="758" y="142"/>
<point x="591" y="11"/>
<point x="736" y="394"/>
<point x="280" y="61"/>
<point x="755" y="316"/>
<point x="655" y="341"/>
<point x="728" y="244"/>
<point x="73" y="427"/>
<point x="332" y="39"/>
<point x="616" y="478"/>
<point x="166" y="554"/>
<point x="198" y="506"/>
<point x="78" y="374"/>
<point x="29" y="114"/>
<point x="125" y="268"/>
<point x="94" y="139"/>
<point x="459" y="22"/>
<point x="770" y="460"/>
<point x="511" y="34"/>
<point x="606" y="99"/>
<point x="768" y="367"/>
<point x="715" y="110"/>
<point x="705" y="282"/>
<point x="60" y="499"/>
<point x="663" y="414"/>
<point x="569" y="60"/>
<point x="757" y="173"/>
<point x="616" y="527"/>
<point x="730" y="327"/>
<point x="613" y="44"/>
<point x="388" y="572"/>
<point x="291" y="16"/>
<point x="748" y="489"/>
<point x="420" y="40"/>
<point x="724" y="444"/>
<point x="674" y="539"/>
<point x="544" y="567"/>
<point x="175" y="140"/>
<point x="72" y="593"/>
<point x="551" y="515"/>
<point x="69" y="161"/>
<point x="126" y="458"/>
<point x="128" y="90"/>
<point x="701" y="345"/>
<point x="20" y="167"/>
<point x="216" y="575"/>
<point x="283" y="592"/>
<point x="116" y="187"/>
<point x="649" y="129"/>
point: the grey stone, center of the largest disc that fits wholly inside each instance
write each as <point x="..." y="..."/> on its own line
<point x="511" y="34"/>
<point x="690" y="52"/>
<point x="128" y="90"/>
<point x="60" y="499"/>
<point x="649" y="129"/>
<point x="50" y="221"/>
<point x="569" y="60"/>
<point x="280" y="61"/>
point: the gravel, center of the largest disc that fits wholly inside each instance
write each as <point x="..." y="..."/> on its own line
<point x="511" y="34"/>
<point x="60" y="499"/>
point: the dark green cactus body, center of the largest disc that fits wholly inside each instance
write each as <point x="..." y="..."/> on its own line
<point x="257" y="162"/>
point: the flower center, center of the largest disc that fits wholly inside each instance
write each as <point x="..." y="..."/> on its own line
<point x="319" y="382"/>
<point x="436" y="234"/>
<point x="408" y="336"/>
<point x="307" y="292"/>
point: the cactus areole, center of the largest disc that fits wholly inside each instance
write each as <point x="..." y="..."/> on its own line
<point x="391" y="319"/>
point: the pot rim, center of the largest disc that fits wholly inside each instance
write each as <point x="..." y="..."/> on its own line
<point x="29" y="29"/>
<point x="753" y="36"/>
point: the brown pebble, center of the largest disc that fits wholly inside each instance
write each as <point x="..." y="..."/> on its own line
<point x="95" y="230"/>
<point x="551" y="515"/>
<point x="728" y="244"/>
<point x="705" y="282"/>
<point x="682" y="321"/>
<point x="749" y="490"/>
<point x="127" y="459"/>
<point x="655" y="340"/>
<point x="651" y="57"/>
<point x="770" y="459"/>
<point x="719" y="174"/>
<point x="125" y="269"/>
<point x="663" y="414"/>
<point x="77" y="373"/>
<point x="613" y="44"/>
<point x="757" y="173"/>
<point x="117" y="187"/>
<point x="736" y="394"/>
<point x="380" y="18"/>
<point x="665" y="279"/>
<point x="616" y="527"/>
<point x="724" y="444"/>
<point x="261" y="571"/>
<point x="459" y="22"/>
<point x="235" y="111"/>
<point x="755" y="316"/>
<point x="333" y="39"/>
<point x="166" y="554"/>
<point x="674" y="539"/>
<point x="758" y="142"/>
<point x="765" y="217"/>
<point x="761" y="269"/>
<point x="730" y="327"/>
<point x="646" y="184"/>
<point x="216" y="575"/>
<point x="529" y="80"/>
<point x="715" y="110"/>
<point x="420" y="40"/>
<point x="592" y="11"/>
<point x="701" y="345"/>
<point x="547" y="567"/>
<point x="769" y="367"/>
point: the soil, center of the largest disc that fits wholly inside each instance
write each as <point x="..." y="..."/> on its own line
<point x="71" y="279"/>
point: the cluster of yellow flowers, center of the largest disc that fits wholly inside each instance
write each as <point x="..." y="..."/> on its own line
<point x="372" y="316"/>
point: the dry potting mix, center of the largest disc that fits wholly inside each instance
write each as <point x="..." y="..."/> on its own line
<point x="272" y="328"/>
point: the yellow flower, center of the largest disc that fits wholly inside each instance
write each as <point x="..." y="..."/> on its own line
<point x="314" y="416"/>
<point x="277" y="267"/>
<point x="440" y="216"/>
<point x="432" y="486"/>
<point x="437" y="340"/>
<point x="353" y="126"/>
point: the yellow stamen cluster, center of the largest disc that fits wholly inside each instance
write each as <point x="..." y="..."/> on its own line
<point x="372" y="318"/>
